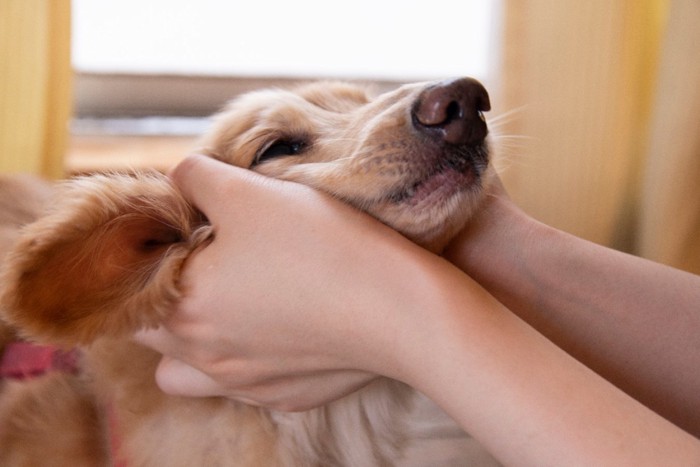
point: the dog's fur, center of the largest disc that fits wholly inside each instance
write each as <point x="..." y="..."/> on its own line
<point x="105" y="260"/>
<point x="21" y="200"/>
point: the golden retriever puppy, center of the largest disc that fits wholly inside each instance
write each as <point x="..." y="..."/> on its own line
<point x="105" y="261"/>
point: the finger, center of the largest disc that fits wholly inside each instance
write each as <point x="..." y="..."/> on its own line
<point x="189" y="175"/>
<point x="203" y="180"/>
<point x="176" y="378"/>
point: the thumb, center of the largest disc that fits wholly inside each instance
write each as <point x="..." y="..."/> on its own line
<point x="203" y="181"/>
<point x="177" y="378"/>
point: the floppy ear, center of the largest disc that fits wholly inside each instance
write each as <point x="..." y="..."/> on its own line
<point x="105" y="260"/>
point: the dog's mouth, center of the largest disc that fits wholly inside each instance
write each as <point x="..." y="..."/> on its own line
<point x="458" y="170"/>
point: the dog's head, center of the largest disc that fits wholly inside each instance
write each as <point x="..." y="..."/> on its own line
<point x="416" y="158"/>
<point x="106" y="259"/>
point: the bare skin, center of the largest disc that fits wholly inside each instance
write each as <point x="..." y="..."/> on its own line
<point x="633" y="321"/>
<point x="289" y="308"/>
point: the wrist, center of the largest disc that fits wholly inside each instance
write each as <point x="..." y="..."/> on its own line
<point x="434" y="323"/>
<point x="497" y="248"/>
<point x="497" y="233"/>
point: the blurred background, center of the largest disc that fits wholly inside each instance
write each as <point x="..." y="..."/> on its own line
<point x="596" y="114"/>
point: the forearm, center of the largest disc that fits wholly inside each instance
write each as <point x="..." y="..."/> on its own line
<point x="634" y="322"/>
<point x="525" y="399"/>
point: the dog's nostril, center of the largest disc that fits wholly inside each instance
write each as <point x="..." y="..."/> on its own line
<point x="451" y="111"/>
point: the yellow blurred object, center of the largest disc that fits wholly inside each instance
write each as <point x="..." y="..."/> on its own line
<point x="670" y="209"/>
<point x="610" y="98"/>
<point x="583" y="74"/>
<point x="35" y="85"/>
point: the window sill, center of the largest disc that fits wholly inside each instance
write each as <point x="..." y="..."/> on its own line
<point x="88" y="154"/>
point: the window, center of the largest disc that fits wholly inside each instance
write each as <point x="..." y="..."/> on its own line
<point x="184" y="57"/>
<point x="358" y="39"/>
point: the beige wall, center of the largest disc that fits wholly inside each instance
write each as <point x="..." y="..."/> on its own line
<point x="670" y="208"/>
<point x="581" y="74"/>
<point x="608" y="130"/>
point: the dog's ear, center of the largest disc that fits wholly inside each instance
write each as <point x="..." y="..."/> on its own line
<point x="105" y="260"/>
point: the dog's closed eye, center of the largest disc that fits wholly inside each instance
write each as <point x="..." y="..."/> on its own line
<point x="281" y="148"/>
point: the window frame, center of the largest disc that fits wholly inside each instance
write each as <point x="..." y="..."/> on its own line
<point x="108" y="95"/>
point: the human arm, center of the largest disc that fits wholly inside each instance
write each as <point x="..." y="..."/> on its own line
<point x="300" y="298"/>
<point x="633" y="321"/>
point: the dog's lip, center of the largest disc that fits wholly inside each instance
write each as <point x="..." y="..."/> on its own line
<point x="445" y="182"/>
<point x="454" y="172"/>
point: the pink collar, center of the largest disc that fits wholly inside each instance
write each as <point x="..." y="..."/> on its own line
<point x="23" y="360"/>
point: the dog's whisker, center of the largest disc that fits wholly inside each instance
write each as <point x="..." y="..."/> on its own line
<point x="510" y="140"/>
<point x="506" y="116"/>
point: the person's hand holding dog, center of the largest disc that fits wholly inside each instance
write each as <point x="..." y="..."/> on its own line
<point x="287" y="296"/>
<point x="301" y="299"/>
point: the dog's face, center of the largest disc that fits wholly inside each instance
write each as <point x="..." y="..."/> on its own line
<point x="415" y="158"/>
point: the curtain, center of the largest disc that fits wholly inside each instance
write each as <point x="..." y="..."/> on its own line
<point x="670" y="206"/>
<point x="35" y="85"/>
<point x="604" y="141"/>
<point x="580" y="76"/>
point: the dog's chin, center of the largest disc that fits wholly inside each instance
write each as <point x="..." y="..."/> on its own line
<point x="434" y="211"/>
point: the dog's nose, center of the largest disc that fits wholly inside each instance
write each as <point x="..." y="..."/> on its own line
<point x="451" y="110"/>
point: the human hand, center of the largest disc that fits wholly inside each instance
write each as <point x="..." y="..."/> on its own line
<point x="489" y="241"/>
<point x="291" y="305"/>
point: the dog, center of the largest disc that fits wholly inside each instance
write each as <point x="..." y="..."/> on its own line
<point x="104" y="262"/>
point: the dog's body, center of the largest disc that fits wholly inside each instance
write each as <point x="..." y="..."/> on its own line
<point x="105" y="261"/>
